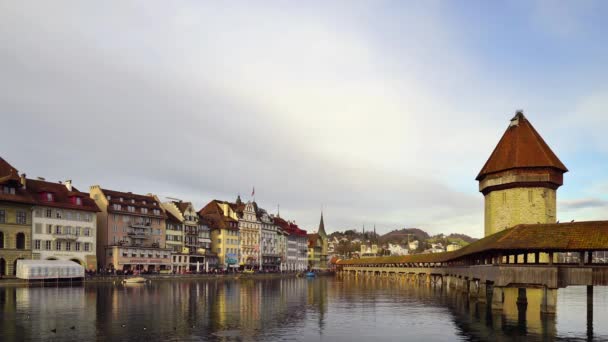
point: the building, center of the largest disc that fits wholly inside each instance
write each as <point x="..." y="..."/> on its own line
<point x="520" y="179"/>
<point x="297" y="240"/>
<point x="15" y="219"/>
<point x="413" y="245"/>
<point x="452" y="247"/>
<point x="225" y="238"/>
<point x="131" y="231"/>
<point x="64" y="223"/>
<point x="250" y="228"/>
<point x="369" y="250"/>
<point x="269" y="241"/>
<point x="193" y="234"/>
<point x="317" y="248"/>
<point x="397" y="249"/>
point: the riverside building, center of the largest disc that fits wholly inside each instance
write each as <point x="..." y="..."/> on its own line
<point x="223" y="221"/>
<point x="64" y="223"/>
<point x="296" y="249"/>
<point x="15" y="219"/>
<point x="131" y="231"/>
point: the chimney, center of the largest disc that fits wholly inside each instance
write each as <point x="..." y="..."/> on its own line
<point x="68" y="184"/>
<point x="22" y="180"/>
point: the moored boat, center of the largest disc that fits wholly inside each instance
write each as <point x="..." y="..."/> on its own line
<point x="310" y="274"/>
<point x="134" y="280"/>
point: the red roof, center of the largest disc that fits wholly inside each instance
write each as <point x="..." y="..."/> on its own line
<point x="10" y="176"/>
<point x="520" y="147"/>
<point x="62" y="197"/>
<point x="134" y="200"/>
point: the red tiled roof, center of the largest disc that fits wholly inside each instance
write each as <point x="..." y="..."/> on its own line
<point x="520" y="147"/>
<point x="128" y="197"/>
<point x="62" y="197"/>
<point x="574" y="236"/>
<point x="8" y="172"/>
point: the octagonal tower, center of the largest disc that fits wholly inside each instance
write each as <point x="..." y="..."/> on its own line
<point x="520" y="179"/>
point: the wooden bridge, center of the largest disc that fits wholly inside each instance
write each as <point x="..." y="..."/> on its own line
<point x="522" y="257"/>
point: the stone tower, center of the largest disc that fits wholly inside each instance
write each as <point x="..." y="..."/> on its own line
<point x="520" y="179"/>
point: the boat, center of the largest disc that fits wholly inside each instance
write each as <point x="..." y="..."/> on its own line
<point x="310" y="274"/>
<point x="248" y="272"/>
<point x="135" y="280"/>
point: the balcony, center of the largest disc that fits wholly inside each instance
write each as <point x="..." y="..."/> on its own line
<point x="139" y="235"/>
<point x="140" y="224"/>
<point x="62" y="236"/>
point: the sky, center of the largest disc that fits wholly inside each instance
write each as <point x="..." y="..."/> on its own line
<point x="376" y="112"/>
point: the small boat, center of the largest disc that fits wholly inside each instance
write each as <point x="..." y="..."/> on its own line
<point x="248" y="272"/>
<point x="135" y="280"/>
<point x="310" y="274"/>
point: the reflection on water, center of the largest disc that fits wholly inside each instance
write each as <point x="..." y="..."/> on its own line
<point x="323" y="309"/>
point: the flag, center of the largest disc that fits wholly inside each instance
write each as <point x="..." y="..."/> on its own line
<point x="253" y="192"/>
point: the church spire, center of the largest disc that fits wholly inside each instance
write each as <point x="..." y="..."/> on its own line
<point x="322" y="226"/>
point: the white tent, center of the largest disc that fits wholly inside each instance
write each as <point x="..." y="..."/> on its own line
<point x="48" y="269"/>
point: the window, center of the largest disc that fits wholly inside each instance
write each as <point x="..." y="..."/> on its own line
<point x="58" y="230"/>
<point x="68" y="246"/>
<point x="530" y="196"/>
<point x="58" y="214"/>
<point x="116" y="206"/>
<point x="38" y="212"/>
<point x="109" y="197"/>
<point x="144" y="202"/>
<point x="132" y="200"/>
<point x="77" y="247"/>
<point x="21" y="217"/>
<point x="2" y="216"/>
<point x="78" y="201"/>
<point x="115" y="228"/>
<point x="115" y="239"/>
<point x="87" y="232"/>
<point x="77" y="231"/>
<point x="47" y="245"/>
<point x="219" y="240"/>
<point x="38" y="228"/>
<point x="58" y="245"/>
<point x="219" y="250"/>
<point x="68" y="215"/>
<point x="120" y="199"/>
<point x="49" y="229"/>
<point x="36" y="244"/>
<point x="49" y="213"/>
<point x="48" y="197"/>
<point x="144" y="210"/>
<point x="87" y="217"/>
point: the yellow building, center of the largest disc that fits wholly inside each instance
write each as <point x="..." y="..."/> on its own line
<point x="317" y="248"/>
<point x="15" y="219"/>
<point x="225" y="237"/>
<point x="520" y="179"/>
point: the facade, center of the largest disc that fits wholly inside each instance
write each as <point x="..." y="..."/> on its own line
<point x="15" y="219"/>
<point x="397" y="249"/>
<point x="190" y="237"/>
<point x="369" y="251"/>
<point x="317" y="248"/>
<point x="131" y="231"/>
<point x="222" y="220"/>
<point x="64" y="223"/>
<point x="296" y="245"/>
<point x="520" y="179"/>
<point x="250" y="228"/>
<point x="269" y="242"/>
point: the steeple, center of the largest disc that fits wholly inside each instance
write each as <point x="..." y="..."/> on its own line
<point x="321" y="231"/>
<point x="375" y="236"/>
<point x="238" y="199"/>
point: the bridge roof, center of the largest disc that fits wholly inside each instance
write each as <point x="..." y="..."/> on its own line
<point x="573" y="236"/>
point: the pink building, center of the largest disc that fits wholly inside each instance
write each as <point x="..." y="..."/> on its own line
<point x="131" y="231"/>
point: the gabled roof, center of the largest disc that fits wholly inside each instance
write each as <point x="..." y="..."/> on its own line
<point x="7" y="172"/>
<point x="62" y="197"/>
<point x="151" y="203"/>
<point x="520" y="147"/>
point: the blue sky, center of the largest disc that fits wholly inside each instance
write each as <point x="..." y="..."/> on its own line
<point x="381" y="112"/>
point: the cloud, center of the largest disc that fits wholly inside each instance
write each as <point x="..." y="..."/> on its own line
<point x="378" y="113"/>
<point x="583" y="203"/>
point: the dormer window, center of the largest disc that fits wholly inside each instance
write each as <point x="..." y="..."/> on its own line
<point x="47" y="196"/>
<point x="120" y="199"/>
<point x="109" y="197"/>
<point x="78" y="200"/>
<point x="132" y="200"/>
<point x="144" y="202"/>
<point x="9" y="190"/>
<point x="144" y="210"/>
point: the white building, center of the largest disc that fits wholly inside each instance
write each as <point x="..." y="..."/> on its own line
<point x="413" y="245"/>
<point x="397" y="249"/>
<point x="64" y="223"/>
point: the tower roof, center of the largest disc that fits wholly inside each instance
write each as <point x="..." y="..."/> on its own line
<point x="520" y="147"/>
<point x="321" y="226"/>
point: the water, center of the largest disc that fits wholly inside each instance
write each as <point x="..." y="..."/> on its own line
<point x="323" y="309"/>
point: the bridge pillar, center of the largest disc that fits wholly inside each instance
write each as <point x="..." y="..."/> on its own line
<point x="482" y="294"/>
<point x="473" y="288"/>
<point x="498" y="298"/>
<point x="548" y="301"/>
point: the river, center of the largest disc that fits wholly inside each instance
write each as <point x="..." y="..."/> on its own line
<point x="322" y="309"/>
